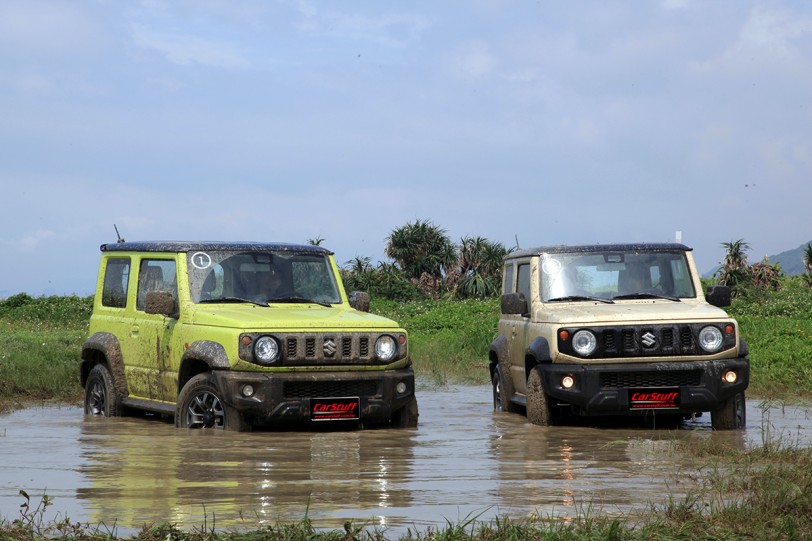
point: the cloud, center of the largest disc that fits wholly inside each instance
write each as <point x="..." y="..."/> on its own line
<point x="390" y="30"/>
<point x="47" y="28"/>
<point x="767" y="40"/>
<point x="473" y="60"/>
<point x="186" y="49"/>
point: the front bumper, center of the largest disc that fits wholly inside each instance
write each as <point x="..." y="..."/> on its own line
<point x="286" y="398"/>
<point x="607" y="389"/>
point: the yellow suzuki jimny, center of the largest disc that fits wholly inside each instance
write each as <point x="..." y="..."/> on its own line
<point x="234" y="335"/>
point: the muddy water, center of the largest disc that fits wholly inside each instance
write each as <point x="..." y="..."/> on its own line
<point x="462" y="461"/>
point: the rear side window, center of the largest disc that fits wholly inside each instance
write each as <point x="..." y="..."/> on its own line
<point x="156" y="275"/>
<point x="523" y="283"/>
<point x="116" y="280"/>
<point x="508" y="285"/>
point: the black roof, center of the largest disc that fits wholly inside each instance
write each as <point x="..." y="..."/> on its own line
<point x="188" y="246"/>
<point x="586" y="248"/>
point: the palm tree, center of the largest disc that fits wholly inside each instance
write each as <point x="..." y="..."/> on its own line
<point x="734" y="271"/>
<point x="421" y="248"/>
<point x="479" y="267"/>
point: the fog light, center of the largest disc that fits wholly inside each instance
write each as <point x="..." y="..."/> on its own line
<point x="400" y="388"/>
<point x="248" y="391"/>
<point x="567" y="382"/>
<point x="730" y="376"/>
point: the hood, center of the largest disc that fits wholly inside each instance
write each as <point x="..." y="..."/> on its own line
<point x="286" y="317"/>
<point x="650" y="311"/>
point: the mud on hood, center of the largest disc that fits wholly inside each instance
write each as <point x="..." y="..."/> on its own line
<point x="249" y="317"/>
<point x="653" y="311"/>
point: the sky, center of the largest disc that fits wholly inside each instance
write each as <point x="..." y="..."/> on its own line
<point x="524" y="122"/>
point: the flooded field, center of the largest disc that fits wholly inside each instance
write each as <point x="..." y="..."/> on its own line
<point x="463" y="461"/>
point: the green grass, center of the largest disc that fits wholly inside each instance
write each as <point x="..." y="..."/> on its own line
<point x="40" y="340"/>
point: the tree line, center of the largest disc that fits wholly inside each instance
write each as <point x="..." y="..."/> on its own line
<point x="427" y="264"/>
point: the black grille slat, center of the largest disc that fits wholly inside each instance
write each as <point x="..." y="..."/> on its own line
<point x="346" y="347"/>
<point x="660" y="378"/>
<point x="628" y="341"/>
<point x="686" y="339"/>
<point x="291" y="349"/>
<point x="364" y="346"/>
<point x="668" y="338"/>
<point x="330" y="389"/>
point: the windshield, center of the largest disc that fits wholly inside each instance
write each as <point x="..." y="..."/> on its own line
<point x="615" y="275"/>
<point x="261" y="277"/>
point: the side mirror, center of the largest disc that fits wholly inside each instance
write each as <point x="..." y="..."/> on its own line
<point x="359" y="300"/>
<point x="718" y="296"/>
<point x="160" y="302"/>
<point x="513" y="303"/>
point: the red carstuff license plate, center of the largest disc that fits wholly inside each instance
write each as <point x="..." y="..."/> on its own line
<point x="335" y="409"/>
<point x="666" y="398"/>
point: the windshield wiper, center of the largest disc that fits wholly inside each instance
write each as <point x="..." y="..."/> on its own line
<point x="231" y="299"/>
<point x="298" y="299"/>
<point x="580" y="298"/>
<point x="646" y="296"/>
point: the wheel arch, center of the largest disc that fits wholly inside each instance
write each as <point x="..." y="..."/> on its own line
<point x="201" y="356"/>
<point x="498" y="353"/>
<point x="537" y="352"/>
<point x="104" y="348"/>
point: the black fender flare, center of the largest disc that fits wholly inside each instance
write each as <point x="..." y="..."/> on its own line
<point x="537" y="352"/>
<point x="499" y="353"/>
<point x="744" y="349"/>
<point x="104" y="347"/>
<point x="201" y="356"/>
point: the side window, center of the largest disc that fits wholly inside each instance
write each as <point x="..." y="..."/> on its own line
<point x="523" y="282"/>
<point x="508" y="286"/>
<point x="116" y="279"/>
<point x="156" y="275"/>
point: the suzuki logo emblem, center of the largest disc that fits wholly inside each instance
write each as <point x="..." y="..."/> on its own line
<point x="329" y="347"/>
<point x="649" y="339"/>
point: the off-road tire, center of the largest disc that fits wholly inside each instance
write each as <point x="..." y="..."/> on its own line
<point x="502" y="391"/>
<point x="731" y="415"/>
<point x="101" y="397"/>
<point x="406" y="417"/>
<point x="201" y="405"/>
<point x="538" y="407"/>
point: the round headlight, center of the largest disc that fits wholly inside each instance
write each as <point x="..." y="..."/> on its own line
<point x="266" y="350"/>
<point x="584" y="343"/>
<point x="710" y="339"/>
<point x="386" y="348"/>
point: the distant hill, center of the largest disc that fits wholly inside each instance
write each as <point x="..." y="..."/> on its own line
<point x="791" y="261"/>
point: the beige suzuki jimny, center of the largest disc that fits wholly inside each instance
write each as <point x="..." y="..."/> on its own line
<point x="616" y="330"/>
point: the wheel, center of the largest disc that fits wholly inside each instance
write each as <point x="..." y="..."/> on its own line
<point x="731" y="415"/>
<point x="502" y="391"/>
<point x="200" y="406"/>
<point x="538" y="408"/>
<point x="406" y="417"/>
<point x="101" y="397"/>
<point x="501" y="396"/>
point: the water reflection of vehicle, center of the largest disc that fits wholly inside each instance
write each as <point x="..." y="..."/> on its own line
<point x="142" y="473"/>
<point x="561" y="471"/>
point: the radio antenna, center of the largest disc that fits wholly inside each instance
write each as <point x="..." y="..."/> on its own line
<point x="120" y="238"/>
